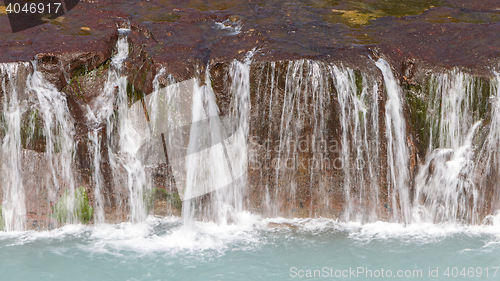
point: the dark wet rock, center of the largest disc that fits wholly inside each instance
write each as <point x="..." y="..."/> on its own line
<point x="441" y="44"/>
<point x="140" y="67"/>
<point x="179" y="36"/>
<point x="79" y="41"/>
<point x="483" y="5"/>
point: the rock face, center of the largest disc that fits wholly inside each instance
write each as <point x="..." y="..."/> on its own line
<point x="309" y="129"/>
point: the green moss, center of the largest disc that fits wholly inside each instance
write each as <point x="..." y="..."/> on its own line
<point x="84" y="69"/>
<point x="476" y="17"/>
<point x="323" y="3"/>
<point x="79" y="202"/>
<point x="154" y="194"/>
<point x="418" y="102"/>
<point x="353" y="18"/>
<point x="2" y="222"/>
<point x="358" y="13"/>
<point x="401" y="8"/>
<point x="32" y="135"/>
<point x="358" y="78"/>
<point x="163" y="17"/>
<point x="77" y="87"/>
<point x="80" y="74"/>
<point x="3" y="126"/>
<point x="425" y="107"/>
<point x="133" y="94"/>
<point x="481" y="91"/>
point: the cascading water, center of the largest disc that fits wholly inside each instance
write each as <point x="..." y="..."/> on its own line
<point x="58" y="133"/>
<point x="103" y="111"/>
<point x="322" y="145"/>
<point x="209" y="168"/>
<point x="397" y="150"/>
<point x="299" y="155"/>
<point x="123" y="134"/>
<point x="206" y="152"/>
<point x="489" y="156"/>
<point x="95" y="152"/>
<point x="13" y="204"/>
<point x="228" y="202"/>
<point x="360" y="143"/>
<point x="445" y="186"/>
<point x="221" y="167"/>
<point x="308" y="159"/>
<point x="314" y="111"/>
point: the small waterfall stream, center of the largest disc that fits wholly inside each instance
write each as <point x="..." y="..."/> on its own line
<point x="207" y="169"/>
<point x="397" y="150"/>
<point x="206" y="151"/>
<point x="103" y="111"/>
<point x="489" y="156"/>
<point x="360" y="146"/>
<point x="445" y="187"/>
<point x="13" y="204"/>
<point x="58" y="132"/>
<point x="126" y="136"/>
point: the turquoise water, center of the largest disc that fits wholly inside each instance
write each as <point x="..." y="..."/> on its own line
<point x="252" y="249"/>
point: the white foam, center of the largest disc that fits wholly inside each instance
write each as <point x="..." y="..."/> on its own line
<point x="417" y="232"/>
<point x="168" y="235"/>
<point x="202" y="236"/>
<point x="234" y="28"/>
<point x="23" y="237"/>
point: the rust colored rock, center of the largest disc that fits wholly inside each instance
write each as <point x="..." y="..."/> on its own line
<point x="79" y="41"/>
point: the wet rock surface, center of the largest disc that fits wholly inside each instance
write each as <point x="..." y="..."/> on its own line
<point x="182" y="34"/>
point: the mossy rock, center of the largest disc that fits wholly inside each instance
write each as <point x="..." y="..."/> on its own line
<point x="32" y="134"/>
<point x="74" y="206"/>
<point x="161" y="194"/>
<point x="2" y="222"/>
<point x="83" y="69"/>
<point x="3" y="126"/>
<point x="417" y="99"/>
<point x="359" y="13"/>
<point x="133" y="94"/>
<point x="400" y="8"/>
<point x="82" y="77"/>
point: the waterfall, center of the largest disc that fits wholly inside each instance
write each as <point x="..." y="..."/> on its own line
<point x="117" y="127"/>
<point x="302" y="155"/>
<point x="124" y="135"/>
<point x="220" y="168"/>
<point x="489" y="157"/>
<point x="358" y="104"/>
<point x="207" y="169"/>
<point x="445" y="187"/>
<point x="96" y="176"/>
<point x="301" y="147"/>
<point x="397" y="151"/>
<point x="295" y="138"/>
<point x="228" y="202"/>
<point x="13" y="205"/>
<point x="206" y="151"/>
<point x="58" y="132"/>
